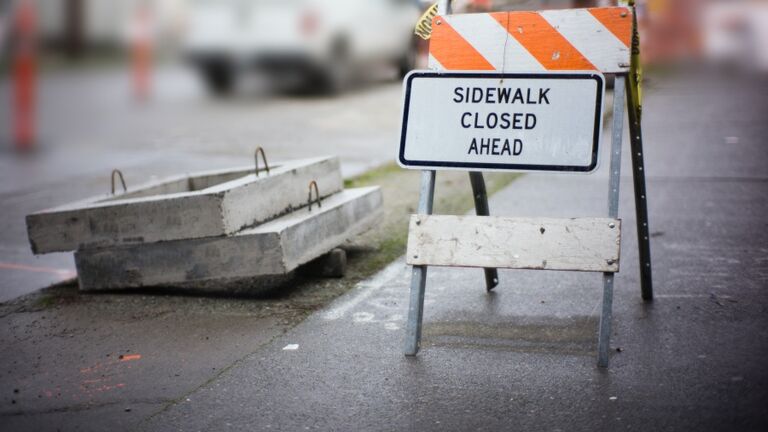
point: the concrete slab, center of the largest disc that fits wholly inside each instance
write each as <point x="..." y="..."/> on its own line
<point x="274" y="248"/>
<point x="205" y="204"/>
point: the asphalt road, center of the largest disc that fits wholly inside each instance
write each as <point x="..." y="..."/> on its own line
<point x="90" y="123"/>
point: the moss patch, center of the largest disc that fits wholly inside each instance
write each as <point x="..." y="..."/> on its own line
<point x="387" y="241"/>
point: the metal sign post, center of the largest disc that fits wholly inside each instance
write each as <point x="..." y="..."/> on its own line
<point x="529" y="46"/>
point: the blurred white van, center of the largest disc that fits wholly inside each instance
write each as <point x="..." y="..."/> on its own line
<point x="322" y="42"/>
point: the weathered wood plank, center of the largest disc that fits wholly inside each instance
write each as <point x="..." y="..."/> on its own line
<point x="580" y="244"/>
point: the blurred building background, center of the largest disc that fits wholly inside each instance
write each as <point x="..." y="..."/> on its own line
<point x="79" y="27"/>
<point x="733" y="32"/>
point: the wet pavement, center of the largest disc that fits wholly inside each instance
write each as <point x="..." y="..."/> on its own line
<point x="523" y="357"/>
<point x="520" y="358"/>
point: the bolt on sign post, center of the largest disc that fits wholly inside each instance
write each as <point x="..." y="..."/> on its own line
<point x="519" y="91"/>
<point x="24" y="72"/>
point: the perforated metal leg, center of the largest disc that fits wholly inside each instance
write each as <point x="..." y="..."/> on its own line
<point x="641" y="201"/>
<point x="481" y="209"/>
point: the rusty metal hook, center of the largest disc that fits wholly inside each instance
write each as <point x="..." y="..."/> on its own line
<point x="263" y="157"/>
<point x="122" y="180"/>
<point x="317" y="195"/>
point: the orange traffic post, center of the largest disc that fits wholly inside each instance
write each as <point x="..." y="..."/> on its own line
<point x="24" y="68"/>
<point x="141" y="53"/>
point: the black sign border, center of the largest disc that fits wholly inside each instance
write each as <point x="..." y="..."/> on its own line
<point x="497" y="166"/>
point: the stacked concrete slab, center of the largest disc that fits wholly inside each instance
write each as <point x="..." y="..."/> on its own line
<point x="218" y="225"/>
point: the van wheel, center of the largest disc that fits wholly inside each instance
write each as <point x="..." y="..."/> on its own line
<point x="219" y="78"/>
<point x="335" y="77"/>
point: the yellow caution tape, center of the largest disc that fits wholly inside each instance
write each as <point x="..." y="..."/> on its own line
<point x="424" y="25"/>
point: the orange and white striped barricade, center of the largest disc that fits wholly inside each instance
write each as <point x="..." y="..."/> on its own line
<point x="520" y="91"/>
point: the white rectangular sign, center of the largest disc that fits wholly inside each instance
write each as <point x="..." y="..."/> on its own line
<point x="548" y="121"/>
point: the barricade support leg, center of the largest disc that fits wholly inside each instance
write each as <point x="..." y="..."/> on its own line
<point x="604" y="337"/>
<point x="419" y="275"/>
<point x="614" y="183"/>
<point x="481" y="209"/>
<point x="641" y="201"/>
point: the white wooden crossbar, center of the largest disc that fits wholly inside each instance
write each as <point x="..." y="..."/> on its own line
<point x="576" y="244"/>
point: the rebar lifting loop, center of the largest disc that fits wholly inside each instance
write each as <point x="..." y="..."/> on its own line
<point x="122" y="180"/>
<point x="263" y="157"/>
<point x="317" y="195"/>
